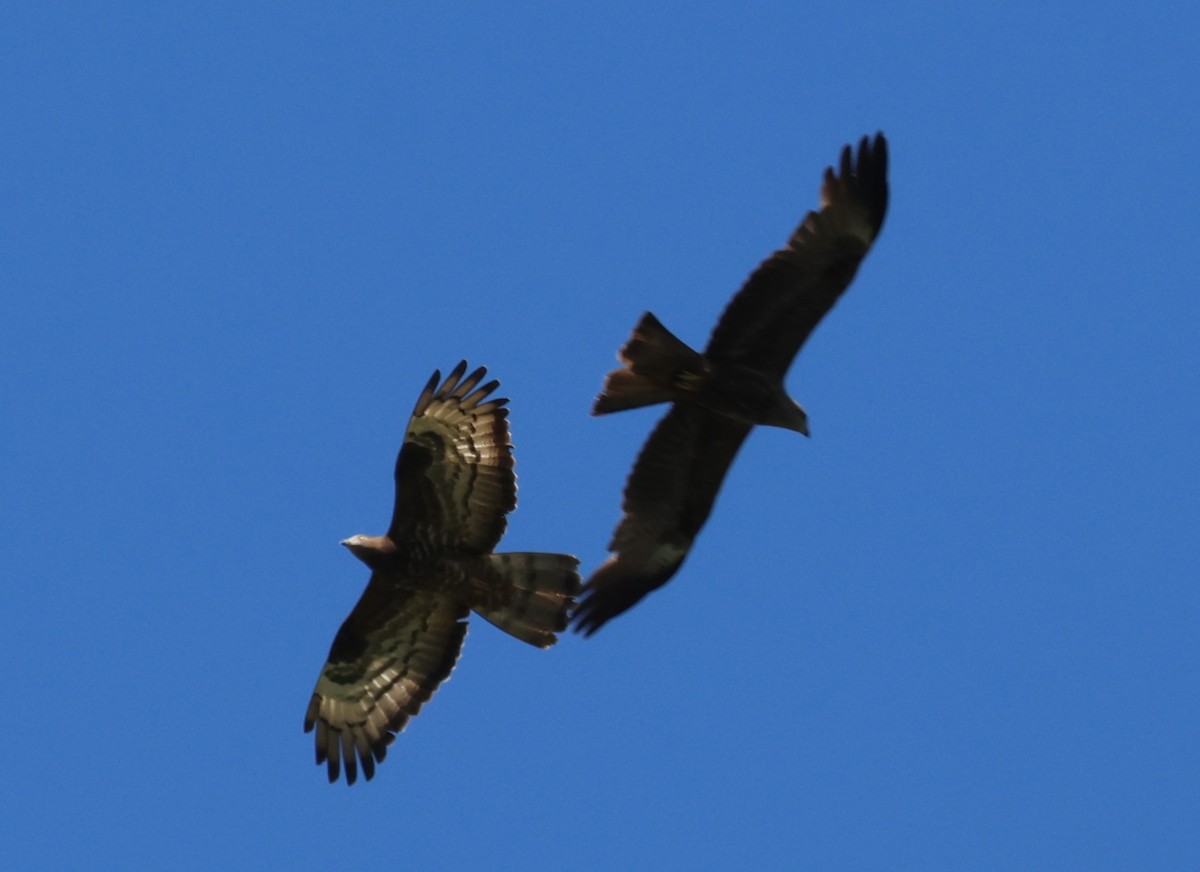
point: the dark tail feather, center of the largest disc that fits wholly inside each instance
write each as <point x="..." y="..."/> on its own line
<point x="624" y="389"/>
<point x="654" y="360"/>
<point x="542" y="595"/>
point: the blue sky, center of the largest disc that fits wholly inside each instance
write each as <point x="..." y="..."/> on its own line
<point x="955" y="629"/>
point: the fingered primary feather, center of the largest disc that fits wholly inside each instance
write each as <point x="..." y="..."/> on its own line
<point x="455" y="478"/>
<point x="385" y="663"/>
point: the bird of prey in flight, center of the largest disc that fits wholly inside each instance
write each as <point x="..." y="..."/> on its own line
<point x="737" y="382"/>
<point x="454" y="485"/>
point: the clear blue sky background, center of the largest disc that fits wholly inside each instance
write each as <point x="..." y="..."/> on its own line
<point x="956" y="629"/>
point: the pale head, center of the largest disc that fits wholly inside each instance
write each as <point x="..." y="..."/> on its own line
<point x="367" y="548"/>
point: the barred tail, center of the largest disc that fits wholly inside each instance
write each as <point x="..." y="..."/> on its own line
<point x="654" y="360"/>
<point x="543" y="588"/>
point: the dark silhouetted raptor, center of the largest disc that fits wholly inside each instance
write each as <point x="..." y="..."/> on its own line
<point x="736" y="383"/>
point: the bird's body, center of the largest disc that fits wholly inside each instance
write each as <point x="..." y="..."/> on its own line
<point x="454" y="486"/>
<point x="719" y="395"/>
<point x="662" y="368"/>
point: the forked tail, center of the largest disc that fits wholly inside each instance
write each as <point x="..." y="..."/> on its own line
<point x="541" y="596"/>
<point x="654" y="360"/>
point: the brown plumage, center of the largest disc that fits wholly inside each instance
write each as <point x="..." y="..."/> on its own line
<point x="736" y="383"/>
<point x="454" y="485"/>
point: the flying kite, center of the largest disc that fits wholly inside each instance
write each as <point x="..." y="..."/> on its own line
<point x="736" y="383"/>
<point x="454" y="485"/>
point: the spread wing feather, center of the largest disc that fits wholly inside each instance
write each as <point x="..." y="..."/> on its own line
<point x="454" y="474"/>
<point x="668" y="497"/>
<point x="769" y="319"/>
<point x="387" y="659"/>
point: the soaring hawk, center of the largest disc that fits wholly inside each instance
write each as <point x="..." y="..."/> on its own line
<point x="454" y="485"/>
<point x="736" y="383"/>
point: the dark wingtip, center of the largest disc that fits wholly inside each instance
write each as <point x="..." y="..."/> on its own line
<point x="589" y="614"/>
<point x="867" y="173"/>
<point x="456" y="387"/>
<point x="593" y="612"/>
<point x="457" y="372"/>
<point x="610" y="592"/>
<point x="588" y="618"/>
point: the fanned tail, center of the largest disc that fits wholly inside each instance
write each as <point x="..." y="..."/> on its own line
<point x="542" y="594"/>
<point x="654" y="360"/>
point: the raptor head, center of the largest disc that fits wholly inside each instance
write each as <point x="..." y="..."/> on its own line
<point x="368" y="549"/>
<point x="788" y="414"/>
